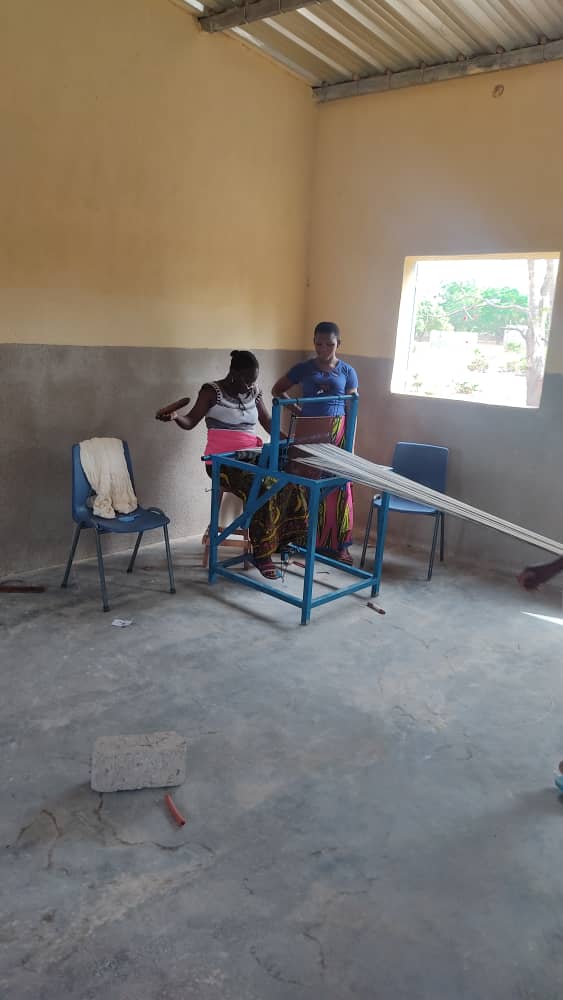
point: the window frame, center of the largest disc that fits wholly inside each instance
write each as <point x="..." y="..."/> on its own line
<point x="404" y="339"/>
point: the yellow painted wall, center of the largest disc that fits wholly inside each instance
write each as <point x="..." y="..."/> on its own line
<point x="154" y="181"/>
<point x="443" y="169"/>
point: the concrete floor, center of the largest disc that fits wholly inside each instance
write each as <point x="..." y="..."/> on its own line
<point x="370" y="803"/>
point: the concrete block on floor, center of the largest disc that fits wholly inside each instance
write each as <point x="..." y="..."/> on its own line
<point x="150" y="760"/>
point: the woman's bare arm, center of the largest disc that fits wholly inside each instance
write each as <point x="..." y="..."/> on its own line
<point x="188" y="421"/>
<point x="264" y="415"/>
<point x="281" y="387"/>
<point x="353" y="392"/>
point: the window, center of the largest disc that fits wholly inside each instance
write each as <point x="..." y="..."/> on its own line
<point x="475" y="328"/>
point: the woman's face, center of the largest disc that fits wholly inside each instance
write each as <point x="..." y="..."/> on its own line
<point x="243" y="380"/>
<point x="325" y="345"/>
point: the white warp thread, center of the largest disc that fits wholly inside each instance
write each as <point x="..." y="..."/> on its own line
<point x="382" y="479"/>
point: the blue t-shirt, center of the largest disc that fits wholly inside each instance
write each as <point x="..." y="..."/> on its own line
<point x="339" y="381"/>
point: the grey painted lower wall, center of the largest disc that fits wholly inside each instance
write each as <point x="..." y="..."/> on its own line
<point x="54" y="396"/>
<point x="506" y="461"/>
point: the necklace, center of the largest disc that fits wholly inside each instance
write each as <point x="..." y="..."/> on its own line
<point x="241" y="398"/>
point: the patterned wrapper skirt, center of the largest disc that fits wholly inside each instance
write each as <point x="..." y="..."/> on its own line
<point x="284" y="518"/>
<point x="336" y="512"/>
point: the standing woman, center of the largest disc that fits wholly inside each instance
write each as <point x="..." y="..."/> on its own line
<point x="327" y="375"/>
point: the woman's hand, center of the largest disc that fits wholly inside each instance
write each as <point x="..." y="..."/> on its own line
<point x="533" y="576"/>
<point x="296" y="409"/>
<point x="528" y="579"/>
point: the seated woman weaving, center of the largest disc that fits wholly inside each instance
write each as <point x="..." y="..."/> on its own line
<point x="231" y="408"/>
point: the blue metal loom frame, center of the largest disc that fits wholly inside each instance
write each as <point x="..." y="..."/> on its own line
<point x="268" y="467"/>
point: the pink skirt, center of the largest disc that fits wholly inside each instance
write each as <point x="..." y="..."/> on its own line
<point x="220" y="441"/>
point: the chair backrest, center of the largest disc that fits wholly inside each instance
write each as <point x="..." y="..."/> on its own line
<point x="81" y="488"/>
<point x="424" y="463"/>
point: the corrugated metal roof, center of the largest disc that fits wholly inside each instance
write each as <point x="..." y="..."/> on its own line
<point x="340" y="40"/>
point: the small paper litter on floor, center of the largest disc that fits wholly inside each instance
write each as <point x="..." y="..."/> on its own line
<point x="121" y="622"/>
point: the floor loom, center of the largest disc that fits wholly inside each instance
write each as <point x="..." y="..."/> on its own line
<point x="269" y="468"/>
<point x="271" y="471"/>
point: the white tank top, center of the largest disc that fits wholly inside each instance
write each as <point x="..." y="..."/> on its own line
<point x="230" y="413"/>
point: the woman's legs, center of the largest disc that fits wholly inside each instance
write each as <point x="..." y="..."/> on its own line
<point x="336" y="511"/>
<point x="282" y="520"/>
<point x="335" y="523"/>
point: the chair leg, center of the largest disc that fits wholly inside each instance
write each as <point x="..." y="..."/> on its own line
<point x="433" y="549"/>
<point x="366" y="536"/>
<point x="442" y="546"/>
<point x="169" y="560"/>
<point x="77" y="531"/>
<point x="134" y="553"/>
<point x="101" y="571"/>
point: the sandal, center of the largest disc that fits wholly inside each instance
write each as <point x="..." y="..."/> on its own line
<point x="344" y="556"/>
<point x="267" y="569"/>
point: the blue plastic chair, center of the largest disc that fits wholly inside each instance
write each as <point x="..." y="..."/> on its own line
<point x="423" y="463"/>
<point x="143" y="519"/>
